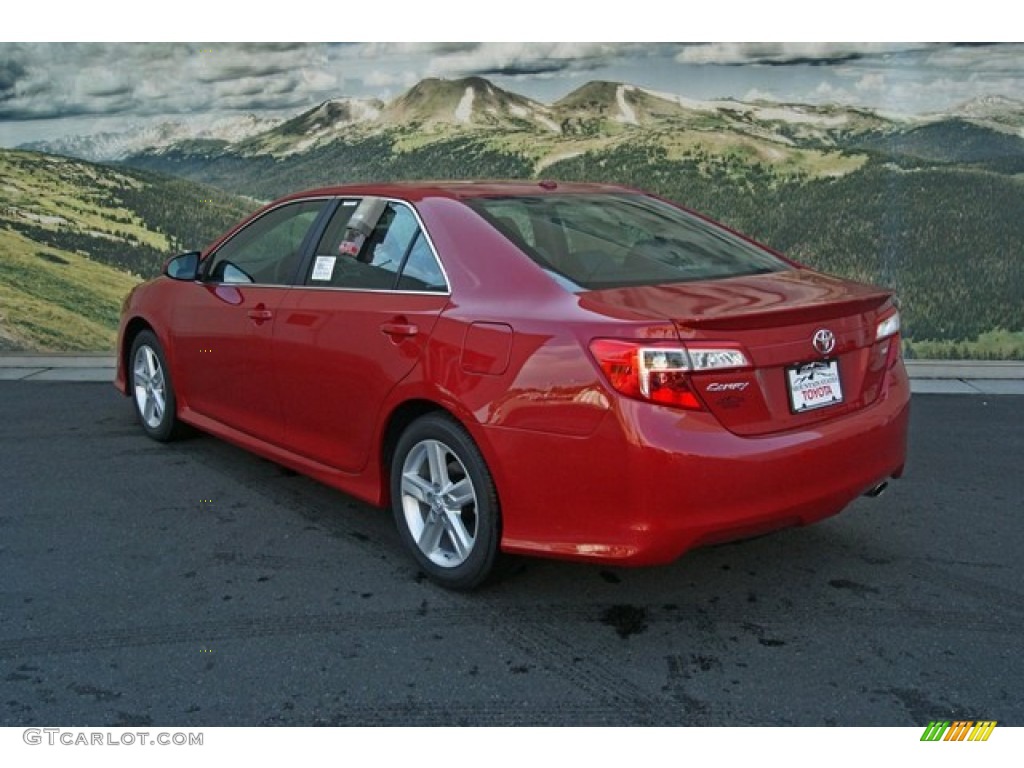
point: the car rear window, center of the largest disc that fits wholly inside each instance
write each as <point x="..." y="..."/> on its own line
<point x="595" y="241"/>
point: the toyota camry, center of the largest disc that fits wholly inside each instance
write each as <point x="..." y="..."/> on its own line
<point x="567" y="370"/>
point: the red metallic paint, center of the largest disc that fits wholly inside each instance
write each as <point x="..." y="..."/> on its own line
<point x="310" y="378"/>
<point x="337" y="364"/>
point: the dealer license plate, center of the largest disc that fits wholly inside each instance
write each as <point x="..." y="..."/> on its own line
<point x="814" y="385"/>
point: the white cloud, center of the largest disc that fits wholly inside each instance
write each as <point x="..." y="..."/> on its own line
<point x="523" y="59"/>
<point x="987" y="59"/>
<point x="873" y="81"/>
<point x="381" y="79"/>
<point x="788" y="53"/>
<point x="161" y="78"/>
<point x="825" y="92"/>
<point x="317" y="79"/>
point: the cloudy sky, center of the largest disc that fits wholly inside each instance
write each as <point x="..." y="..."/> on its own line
<point x="49" y="90"/>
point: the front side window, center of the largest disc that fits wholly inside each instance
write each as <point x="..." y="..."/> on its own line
<point x="595" y="241"/>
<point x="371" y="244"/>
<point x="267" y="251"/>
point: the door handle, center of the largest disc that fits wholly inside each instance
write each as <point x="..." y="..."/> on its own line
<point x="260" y="314"/>
<point x="399" y="330"/>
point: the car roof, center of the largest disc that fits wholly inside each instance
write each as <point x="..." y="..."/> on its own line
<point x="413" y="191"/>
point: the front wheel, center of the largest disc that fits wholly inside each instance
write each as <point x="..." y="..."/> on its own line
<point x="444" y="502"/>
<point x="151" y="389"/>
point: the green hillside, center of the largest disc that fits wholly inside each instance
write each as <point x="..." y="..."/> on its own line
<point x="75" y="237"/>
<point x="951" y="142"/>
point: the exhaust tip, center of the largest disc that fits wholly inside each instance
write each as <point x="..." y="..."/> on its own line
<point x="877" y="491"/>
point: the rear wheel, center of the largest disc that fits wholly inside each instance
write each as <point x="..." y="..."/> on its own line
<point x="151" y="389"/>
<point x="444" y="502"/>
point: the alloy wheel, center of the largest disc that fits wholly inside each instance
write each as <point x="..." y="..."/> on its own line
<point x="150" y="386"/>
<point x="439" y="503"/>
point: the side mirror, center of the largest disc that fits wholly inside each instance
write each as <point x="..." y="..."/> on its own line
<point x="183" y="267"/>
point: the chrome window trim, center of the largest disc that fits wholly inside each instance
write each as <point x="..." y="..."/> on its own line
<point x="357" y="290"/>
<point x="330" y="288"/>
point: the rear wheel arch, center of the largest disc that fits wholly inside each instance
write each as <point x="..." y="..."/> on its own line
<point x="398" y="421"/>
<point x="401" y="416"/>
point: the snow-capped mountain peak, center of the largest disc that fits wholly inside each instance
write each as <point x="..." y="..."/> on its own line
<point x="117" y="145"/>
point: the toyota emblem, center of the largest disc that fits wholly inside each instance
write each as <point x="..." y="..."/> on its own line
<point x="824" y="341"/>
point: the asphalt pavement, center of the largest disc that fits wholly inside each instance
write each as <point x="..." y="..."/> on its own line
<point x="193" y="584"/>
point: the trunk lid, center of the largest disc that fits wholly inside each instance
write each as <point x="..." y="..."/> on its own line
<point x="774" y="318"/>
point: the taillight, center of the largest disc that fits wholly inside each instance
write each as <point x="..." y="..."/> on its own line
<point x="892" y="354"/>
<point x="662" y="377"/>
<point x="887" y="338"/>
<point x="888" y="327"/>
<point x="658" y="372"/>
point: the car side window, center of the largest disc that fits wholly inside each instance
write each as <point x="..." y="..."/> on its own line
<point x="421" y="271"/>
<point x="267" y="251"/>
<point x="394" y="255"/>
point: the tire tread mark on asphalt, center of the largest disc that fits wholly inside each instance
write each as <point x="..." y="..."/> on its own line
<point x="699" y="711"/>
<point x="997" y="597"/>
<point x="556" y="655"/>
<point x="904" y="616"/>
<point x="275" y="562"/>
<point x="231" y="629"/>
<point x="447" y="713"/>
<point x="527" y="627"/>
<point x="255" y="627"/>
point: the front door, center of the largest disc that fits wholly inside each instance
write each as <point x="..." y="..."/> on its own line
<point x="224" y="323"/>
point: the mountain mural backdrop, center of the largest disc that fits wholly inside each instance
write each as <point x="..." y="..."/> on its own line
<point x="929" y="206"/>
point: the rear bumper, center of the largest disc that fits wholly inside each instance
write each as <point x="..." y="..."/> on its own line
<point x="652" y="483"/>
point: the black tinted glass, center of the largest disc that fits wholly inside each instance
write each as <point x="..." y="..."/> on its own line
<point x="393" y="256"/>
<point x="267" y="250"/>
<point x="616" y="240"/>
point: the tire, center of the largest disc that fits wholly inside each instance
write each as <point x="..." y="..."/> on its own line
<point x="445" y="503"/>
<point x="151" y="390"/>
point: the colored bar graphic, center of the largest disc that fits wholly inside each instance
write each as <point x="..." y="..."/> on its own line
<point x="959" y="730"/>
<point x="935" y="730"/>
<point x="982" y="730"/>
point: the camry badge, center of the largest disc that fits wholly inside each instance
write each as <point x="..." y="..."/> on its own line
<point x="824" y="341"/>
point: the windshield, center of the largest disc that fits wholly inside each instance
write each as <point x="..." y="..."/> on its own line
<point x="596" y="241"/>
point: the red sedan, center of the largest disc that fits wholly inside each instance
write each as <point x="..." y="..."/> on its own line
<point x="569" y="370"/>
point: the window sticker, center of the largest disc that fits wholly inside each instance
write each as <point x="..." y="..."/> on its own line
<point x="323" y="269"/>
<point x="348" y="203"/>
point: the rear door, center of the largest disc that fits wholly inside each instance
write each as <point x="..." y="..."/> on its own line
<point x="354" y="329"/>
